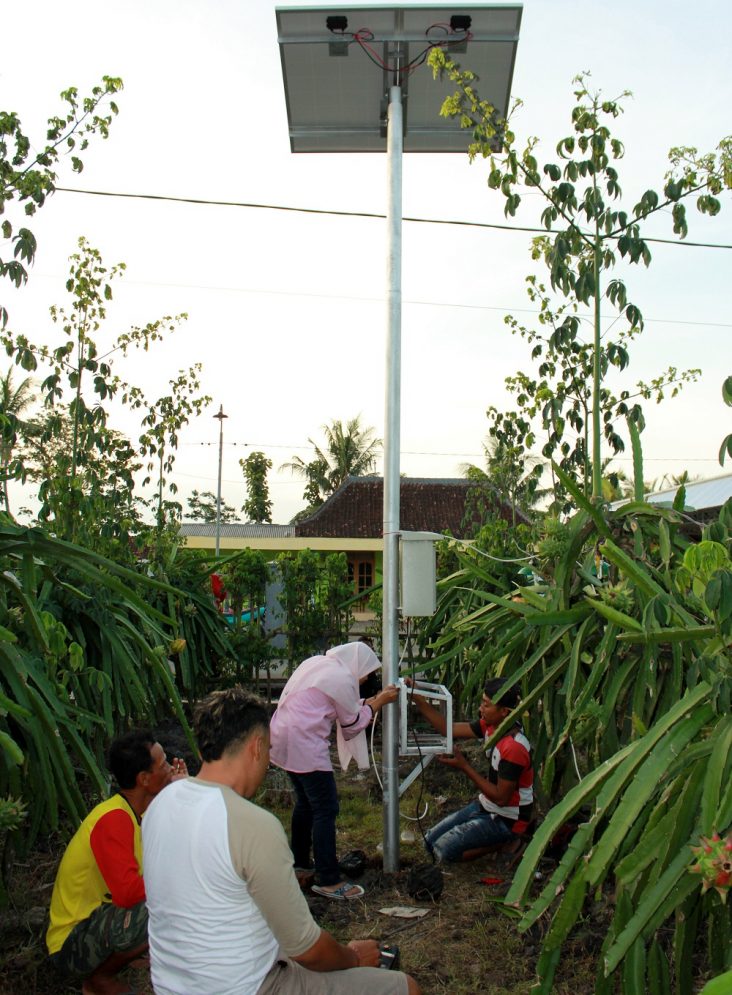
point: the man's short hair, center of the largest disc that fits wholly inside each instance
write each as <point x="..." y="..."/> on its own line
<point x="129" y="755"/>
<point x="508" y="699"/>
<point x="224" y="719"/>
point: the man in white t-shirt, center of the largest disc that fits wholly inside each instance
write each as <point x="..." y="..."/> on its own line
<point x="226" y="914"/>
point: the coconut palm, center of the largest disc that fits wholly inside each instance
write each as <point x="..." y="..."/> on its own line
<point x="14" y="400"/>
<point x="511" y="475"/>
<point x="348" y="451"/>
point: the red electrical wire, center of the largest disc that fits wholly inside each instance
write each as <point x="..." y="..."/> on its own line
<point x="364" y="35"/>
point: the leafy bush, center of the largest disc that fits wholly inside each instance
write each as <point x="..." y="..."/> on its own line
<point x="623" y="656"/>
<point x="84" y="653"/>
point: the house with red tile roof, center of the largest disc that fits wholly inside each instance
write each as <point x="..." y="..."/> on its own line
<point x="351" y="521"/>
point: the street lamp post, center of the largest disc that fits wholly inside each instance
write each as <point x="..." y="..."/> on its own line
<point x="220" y="415"/>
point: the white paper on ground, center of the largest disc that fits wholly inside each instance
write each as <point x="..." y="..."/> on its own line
<point x="404" y="912"/>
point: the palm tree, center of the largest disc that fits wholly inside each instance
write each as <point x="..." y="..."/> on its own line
<point x="511" y="475"/>
<point x="348" y="451"/>
<point x="669" y="480"/>
<point x="13" y="402"/>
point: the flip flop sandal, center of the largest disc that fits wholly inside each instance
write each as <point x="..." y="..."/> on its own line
<point x="340" y="894"/>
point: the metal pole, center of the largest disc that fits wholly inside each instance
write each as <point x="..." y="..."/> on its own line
<point x="390" y="634"/>
<point x="220" y="417"/>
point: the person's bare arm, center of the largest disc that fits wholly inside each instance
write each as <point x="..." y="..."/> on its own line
<point x="500" y="793"/>
<point x="384" y="697"/>
<point x="327" y="954"/>
<point x="460" y="730"/>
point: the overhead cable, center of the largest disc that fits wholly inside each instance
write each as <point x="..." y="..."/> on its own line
<point x="360" y="214"/>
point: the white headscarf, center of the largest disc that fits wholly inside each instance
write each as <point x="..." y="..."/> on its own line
<point x="337" y="675"/>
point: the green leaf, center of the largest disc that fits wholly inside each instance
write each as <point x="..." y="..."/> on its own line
<point x="719" y="762"/>
<point x="675" y="883"/>
<point x="675" y="635"/>
<point x="613" y="615"/>
<point x="721" y="985"/>
<point x="645" y="783"/>
<point x="11" y="750"/>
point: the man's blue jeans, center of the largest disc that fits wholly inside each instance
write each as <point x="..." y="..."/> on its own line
<point x="468" y="829"/>
<point x="313" y="824"/>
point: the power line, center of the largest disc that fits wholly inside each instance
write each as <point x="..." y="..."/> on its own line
<point x="358" y="214"/>
<point x="504" y="309"/>
<point x="421" y="452"/>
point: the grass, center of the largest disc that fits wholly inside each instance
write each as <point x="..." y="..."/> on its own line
<point x="465" y="945"/>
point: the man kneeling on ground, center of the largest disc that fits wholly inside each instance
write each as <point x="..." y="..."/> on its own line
<point x="226" y="911"/>
<point x="98" y="914"/>
<point x="503" y="806"/>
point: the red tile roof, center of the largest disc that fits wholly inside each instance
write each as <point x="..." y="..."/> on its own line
<point x="426" y="505"/>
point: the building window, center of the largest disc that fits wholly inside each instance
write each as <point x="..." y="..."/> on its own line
<point x="361" y="574"/>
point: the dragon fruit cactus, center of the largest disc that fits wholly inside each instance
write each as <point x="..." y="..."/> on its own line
<point x="714" y="863"/>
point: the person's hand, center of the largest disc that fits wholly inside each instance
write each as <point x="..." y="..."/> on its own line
<point x="384" y="697"/>
<point x="367" y="952"/>
<point x="411" y="683"/>
<point x="388" y="694"/>
<point x="457" y="761"/>
<point x="180" y="769"/>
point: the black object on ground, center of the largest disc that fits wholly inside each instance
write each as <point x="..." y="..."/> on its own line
<point x="389" y="956"/>
<point x="353" y="863"/>
<point x="425" y="882"/>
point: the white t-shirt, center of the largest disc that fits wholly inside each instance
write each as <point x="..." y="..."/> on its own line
<point x="221" y="893"/>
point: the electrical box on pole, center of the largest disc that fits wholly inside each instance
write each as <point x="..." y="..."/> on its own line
<point x="417" y="574"/>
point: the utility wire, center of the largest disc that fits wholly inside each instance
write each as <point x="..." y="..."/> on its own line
<point x="423" y="452"/>
<point x="360" y="214"/>
<point x="502" y="308"/>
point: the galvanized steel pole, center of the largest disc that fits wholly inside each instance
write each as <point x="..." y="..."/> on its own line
<point x="220" y="417"/>
<point x="390" y="632"/>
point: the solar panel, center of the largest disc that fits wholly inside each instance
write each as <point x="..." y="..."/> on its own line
<point x="337" y="79"/>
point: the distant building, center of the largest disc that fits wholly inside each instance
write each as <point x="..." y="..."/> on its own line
<point x="351" y="521"/>
<point x="703" y="499"/>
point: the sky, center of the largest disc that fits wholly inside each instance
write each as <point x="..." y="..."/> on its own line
<point x="286" y="311"/>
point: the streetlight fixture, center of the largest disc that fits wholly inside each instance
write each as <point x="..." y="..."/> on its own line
<point x="220" y="415"/>
<point x="353" y="83"/>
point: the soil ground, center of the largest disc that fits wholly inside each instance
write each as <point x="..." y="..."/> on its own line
<point x="465" y="945"/>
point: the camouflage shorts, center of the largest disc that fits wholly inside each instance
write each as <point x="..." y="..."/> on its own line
<point x="108" y="930"/>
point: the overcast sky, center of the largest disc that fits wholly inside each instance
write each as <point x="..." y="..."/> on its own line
<point x="286" y="311"/>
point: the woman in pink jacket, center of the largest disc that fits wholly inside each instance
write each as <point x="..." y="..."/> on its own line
<point x="322" y="691"/>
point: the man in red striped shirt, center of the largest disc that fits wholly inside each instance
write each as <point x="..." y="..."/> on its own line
<point x="98" y="913"/>
<point x="505" y="800"/>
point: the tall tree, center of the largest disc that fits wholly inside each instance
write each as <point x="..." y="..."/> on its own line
<point x="257" y="507"/>
<point x="165" y="418"/>
<point x="14" y="401"/>
<point x="28" y="176"/>
<point x="586" y="232"/>
<point x="726" y="447"/>
<point x="80" y="384"/>
<point x="559" y="393"/>
<point x="347" y="450"/>
<point x="202" y="508"/>
<point x="509" y="476"/>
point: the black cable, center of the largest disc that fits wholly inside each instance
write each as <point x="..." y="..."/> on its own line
<point x="410" y="659"/>
<point x="360" y="214"/>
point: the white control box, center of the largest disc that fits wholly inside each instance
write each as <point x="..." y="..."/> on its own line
<point x="417" y="574"/>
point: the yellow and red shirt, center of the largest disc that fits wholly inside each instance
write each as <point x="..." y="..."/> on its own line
<point x="102" y="863"/>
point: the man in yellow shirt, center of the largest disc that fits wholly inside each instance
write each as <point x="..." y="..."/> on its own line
<point x="98" y="913"/>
